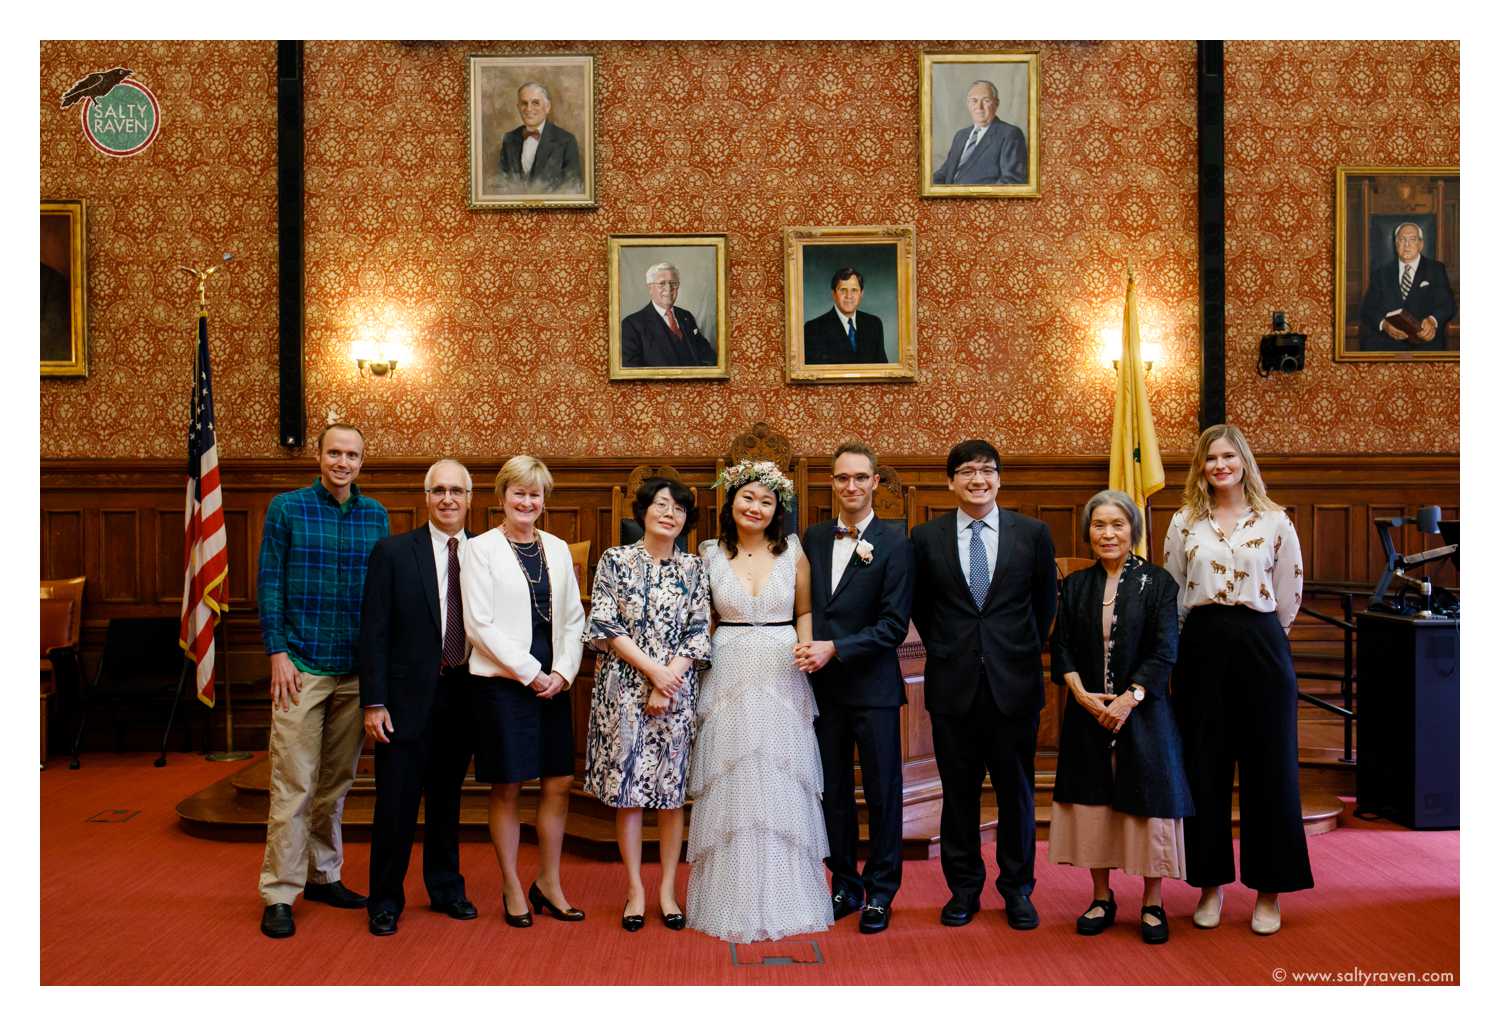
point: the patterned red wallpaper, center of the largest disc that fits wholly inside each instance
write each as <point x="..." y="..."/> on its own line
<point x="507" y="310"/>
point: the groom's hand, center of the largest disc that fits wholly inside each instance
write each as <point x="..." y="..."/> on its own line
<point x="812" y="656"/>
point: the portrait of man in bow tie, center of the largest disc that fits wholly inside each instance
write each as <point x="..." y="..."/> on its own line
<point x="546" y="159"/>
<point x="666" y="302"/>
<point x="979" y="124"/>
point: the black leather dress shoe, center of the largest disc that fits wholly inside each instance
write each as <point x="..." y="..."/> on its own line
<point x="874" y="918"/>
<point x="845" y="905"/>
<point x="1091" y="926"/>
<point x="276" y="921"/>
<point x="463" y="908"/>
<point x="1020" y="913"/>
<point x="958" y="912"/>
<point x="540" y="902"/>
<point x="382" y="922"/>
<point x="335" y="894"/>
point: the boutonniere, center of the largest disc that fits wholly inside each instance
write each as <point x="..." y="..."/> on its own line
<point x="864" y="550"/>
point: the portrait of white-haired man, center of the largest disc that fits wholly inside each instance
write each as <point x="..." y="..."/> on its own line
<point x="1411" y="284"/>
<point x="987" y="152"/>
<point x="661" y="333"/>
<point x="538" y="155"/>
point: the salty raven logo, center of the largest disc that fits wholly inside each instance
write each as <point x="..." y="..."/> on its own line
<point x="94" y="86"/>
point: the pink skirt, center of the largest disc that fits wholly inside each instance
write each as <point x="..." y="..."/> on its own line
<point x="1099" y="837"/>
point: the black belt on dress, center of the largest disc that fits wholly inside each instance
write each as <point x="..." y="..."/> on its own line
<point x="738" y="623"/>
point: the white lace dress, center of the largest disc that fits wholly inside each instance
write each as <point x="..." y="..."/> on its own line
<point x="756" y="838"/>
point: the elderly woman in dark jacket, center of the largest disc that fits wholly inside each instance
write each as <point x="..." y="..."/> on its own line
<point x="1121" y="791"/>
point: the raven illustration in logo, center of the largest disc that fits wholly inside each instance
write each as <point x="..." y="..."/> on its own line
<point x="94" y="86"/>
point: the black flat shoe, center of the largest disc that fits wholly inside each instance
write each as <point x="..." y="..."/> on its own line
<point x="630" y="924"/>
<point x="382" y="922"/>
<point x="334" y="893"/>
<point x="276" y="921"/>
<point x="674" y="920"/>
<point x="1154" y="934"/>
<point x="1091" y="926"/>
<point x="521" y="921"/>
<point x="460" y="909"/>
<point x="541" y="904"/>
<point x="958" y="913"/>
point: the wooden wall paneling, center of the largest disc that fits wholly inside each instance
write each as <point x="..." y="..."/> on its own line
<point x="1062" y="521"/>
<point x="1330" y="554"/>
<point x="563" y="521"/>
<point x="243" y="559"/>
<point x="167" y="568"/>
<point x="120" y="555"/>
<point x="404" y="518"/>
<point x="62" y="543"/>
<point x="1160" y="519"/>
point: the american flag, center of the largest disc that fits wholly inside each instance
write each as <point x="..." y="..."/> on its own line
<point x="205" y="588"/>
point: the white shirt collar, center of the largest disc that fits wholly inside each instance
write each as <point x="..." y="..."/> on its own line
<point x="661" y="311"/>
<point x="992" y="518"/>
<point x="863" y="524"/>
<point x="440" y="537"/>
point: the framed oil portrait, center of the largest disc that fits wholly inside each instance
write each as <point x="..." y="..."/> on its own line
<point x="851" y="306"/>
<point x="65" y="329"/>
<point x="668" y="308"/>
<point x="531" y="131"/>
<point x="979" y="124"/>
<point x="1396" y="270"/>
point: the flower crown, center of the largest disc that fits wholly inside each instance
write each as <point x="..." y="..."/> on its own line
<point x="762" y="472"/>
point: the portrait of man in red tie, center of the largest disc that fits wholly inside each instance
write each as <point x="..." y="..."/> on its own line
<point x="667" y="307"/>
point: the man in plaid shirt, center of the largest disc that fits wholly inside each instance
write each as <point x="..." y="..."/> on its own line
<point x="316" y="543"/>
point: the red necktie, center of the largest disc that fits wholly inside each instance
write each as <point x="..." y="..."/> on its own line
<point x="672" y="323"/>
<point x="453" y="629"/>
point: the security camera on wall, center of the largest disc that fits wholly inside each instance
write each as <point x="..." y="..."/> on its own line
<point x="1282" y="350"/>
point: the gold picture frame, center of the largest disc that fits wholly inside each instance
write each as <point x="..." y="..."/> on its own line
<point x="1011" y="140"/>
<point x="642" y="345"/>
<point x="561" y="171"/>
<point x="1371" y="205"/>
<point x="64" y="282"/>
<point x="884" y="261"/>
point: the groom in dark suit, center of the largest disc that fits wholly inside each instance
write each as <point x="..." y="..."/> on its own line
<point x="413" y="679"/>
<point x="860" y="570"/>
<point x="984" y="596"/>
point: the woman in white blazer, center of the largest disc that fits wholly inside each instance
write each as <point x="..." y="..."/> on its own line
<point x="525" y="620"/>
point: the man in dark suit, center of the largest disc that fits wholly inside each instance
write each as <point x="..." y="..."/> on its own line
<point x="414" y="678"/>
<point x="537" y="155"/>
<point x="860" y="570"/>
<point x="989" y="152"/>
<point x="843" y="334"/>
<point x="984" y="597"/>
<point x="662" y="334"/>
<point x="1412" y="283"/>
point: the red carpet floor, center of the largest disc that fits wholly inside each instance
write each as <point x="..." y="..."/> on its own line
<point x="128" y="898"/>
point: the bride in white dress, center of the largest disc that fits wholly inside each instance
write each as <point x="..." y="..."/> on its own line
<point x="756" y="839"/>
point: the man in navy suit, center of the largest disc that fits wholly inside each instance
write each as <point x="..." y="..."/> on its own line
<point x="845" y="334"/>
<point x="537" y="155"/>
<point x="662" y="334"/>
<point x="414" y="678"/>
<point x="860" y="570"/>
<point x="984" y="595"/>
<point x="1412" y="283"/>
<point x="989" y="152"/>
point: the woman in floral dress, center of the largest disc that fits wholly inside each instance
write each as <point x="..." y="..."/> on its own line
<point x="650" y="619"/>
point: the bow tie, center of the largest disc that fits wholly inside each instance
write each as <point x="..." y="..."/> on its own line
<point x="533" y="133"/>
<point x="840" y="531"/>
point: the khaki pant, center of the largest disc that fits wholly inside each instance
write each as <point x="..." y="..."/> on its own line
<point x="314" y="749"/>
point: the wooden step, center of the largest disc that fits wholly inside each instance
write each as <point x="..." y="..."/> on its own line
<point x="235" y="808"/>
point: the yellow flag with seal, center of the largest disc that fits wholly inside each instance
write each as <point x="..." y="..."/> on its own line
<point x="1134" y="459"/>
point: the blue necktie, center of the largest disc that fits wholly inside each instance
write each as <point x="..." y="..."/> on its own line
<point x="979" y="564"/>
<point x="853" y="345"/>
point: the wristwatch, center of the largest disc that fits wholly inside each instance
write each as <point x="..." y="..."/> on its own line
<point x="1139" y="692"/>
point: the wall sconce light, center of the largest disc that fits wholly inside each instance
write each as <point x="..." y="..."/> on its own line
<point x="1111" y="346"/>
<point x="376" y="359"/>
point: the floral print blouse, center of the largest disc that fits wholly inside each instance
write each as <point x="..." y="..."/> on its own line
<point x="1258" y="564"/>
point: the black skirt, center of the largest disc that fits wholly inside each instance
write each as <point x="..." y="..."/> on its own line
<point x="518" y="736"/>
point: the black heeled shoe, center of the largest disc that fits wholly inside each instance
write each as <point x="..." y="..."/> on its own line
<point x="521" y="921"/>
<point x="541" y="904"/>
<point x="630" y="923"/>
<point x="1091" y="926"/>
<point x="674" y="920"/>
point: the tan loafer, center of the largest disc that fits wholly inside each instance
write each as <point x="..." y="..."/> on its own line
<point x="1266" y="923"/>
<point x="1206" y="915"/>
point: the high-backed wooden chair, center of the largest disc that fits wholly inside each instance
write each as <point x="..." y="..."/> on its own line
<point x="893" y="500"/>
<point x="761" y="442"/>
<point x="580" y="553"/>
<point x="623" y="528"/>
<point x="1069" y="564"/>
<point x="62" y="627"/>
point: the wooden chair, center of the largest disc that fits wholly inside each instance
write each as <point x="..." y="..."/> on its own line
<point x="580" y="553"/>
<point x="623" y="528"/>
<point x="1070" y="564"/>
<point x="62" y="627"/>
<point x="142" y="665"/>
<point x="761" y="442"/>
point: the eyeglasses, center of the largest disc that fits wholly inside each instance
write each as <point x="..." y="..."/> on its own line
<point x="664" y="507"/>
<point x="842" y="480"/>
<point x="989" y="472"/>
<point x="443" y="493"/>
<point x="664" y="285"/>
